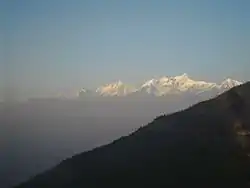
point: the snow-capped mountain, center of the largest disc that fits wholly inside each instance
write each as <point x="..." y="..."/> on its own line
<point x="115" y="89"/>
<point x="173" y="85"/>
<point x="229" y="83"/>
<point x="164" y="86"/>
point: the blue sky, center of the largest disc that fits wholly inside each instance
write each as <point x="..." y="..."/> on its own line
<point x="54" y="45"/>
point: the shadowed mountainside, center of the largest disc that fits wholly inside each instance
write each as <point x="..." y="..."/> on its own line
<point x="205" y="145"/>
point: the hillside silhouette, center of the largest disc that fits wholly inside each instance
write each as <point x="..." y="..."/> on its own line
<point x="206" y="145"/>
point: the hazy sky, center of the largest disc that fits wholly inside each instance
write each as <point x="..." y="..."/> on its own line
<point x="54" y="45"/>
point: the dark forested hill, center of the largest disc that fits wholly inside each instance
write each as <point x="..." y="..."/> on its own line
<point x="206" y="145"/>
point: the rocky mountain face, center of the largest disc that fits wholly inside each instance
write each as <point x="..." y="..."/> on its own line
<point x="206" y="145"/>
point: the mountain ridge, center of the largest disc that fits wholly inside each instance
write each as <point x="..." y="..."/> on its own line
<point x="202" y="146"/>
<point x="164" y="86"/>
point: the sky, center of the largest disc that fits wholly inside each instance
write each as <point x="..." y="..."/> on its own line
<point x="64" y="45"/>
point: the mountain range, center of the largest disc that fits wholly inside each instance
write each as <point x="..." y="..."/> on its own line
<point x="206" y="145"/>
<point x="162" y="86"/>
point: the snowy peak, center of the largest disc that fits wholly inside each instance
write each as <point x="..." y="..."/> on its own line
<point x="163" y="86"/>
<point x="150" y="83"/>
<point x="115" y="89"/>
<point x="171" y="85"/>
<point x="182" y="78"/>
<point x="149" y="87"/>
<point x="113" y="85"/>
<point x="229" y="83"/>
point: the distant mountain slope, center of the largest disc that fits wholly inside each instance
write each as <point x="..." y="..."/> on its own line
<point x="206" y="145"/>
